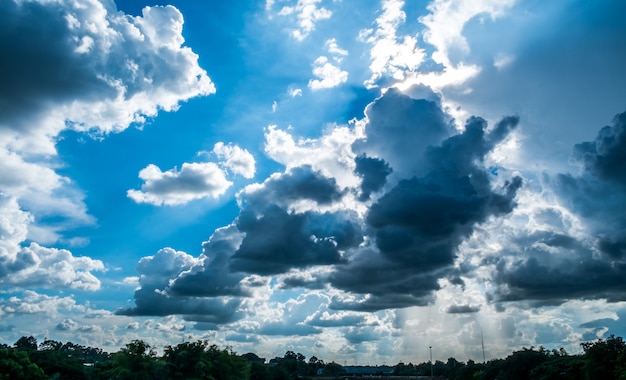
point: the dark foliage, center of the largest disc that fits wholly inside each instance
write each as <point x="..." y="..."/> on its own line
<point x="602" y="359"/>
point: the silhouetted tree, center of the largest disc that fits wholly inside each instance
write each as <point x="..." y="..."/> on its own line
<point x="605" y="359"/>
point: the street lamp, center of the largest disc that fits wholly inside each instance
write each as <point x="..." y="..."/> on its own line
<point x="431" y="361"/>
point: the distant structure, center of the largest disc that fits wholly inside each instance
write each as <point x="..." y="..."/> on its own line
<point x="482" y="342"/>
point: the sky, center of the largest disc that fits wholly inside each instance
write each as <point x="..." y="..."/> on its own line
<point x="352" y="180"/>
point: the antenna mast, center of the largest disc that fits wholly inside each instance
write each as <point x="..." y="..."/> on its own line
<point x="482" y="342"/>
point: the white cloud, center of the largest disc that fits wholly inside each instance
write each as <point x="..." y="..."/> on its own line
<point x="331" y="154"/>
<point x="91" y="68"/>
<point x="445" y="26"/>
<point x="390" y="54"/>
<point x="36" y="265"/>
<point x="308" y="15"/>
<point x="35" y="303"/>
<point x="193" y="181"/>
<point x="236" y="159"/>
<point x="329" y="75"/>
<point x="333" y="48"/>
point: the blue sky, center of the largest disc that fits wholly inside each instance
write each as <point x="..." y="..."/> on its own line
<point x="352" y="180"/>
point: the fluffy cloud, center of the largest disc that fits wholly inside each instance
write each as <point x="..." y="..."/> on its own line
<point x="35" y="303"/>
<point x="396" y="124"/>
<point x="193" y="181"/>
<point x="103" y="69"/>
<point x="235" y="159"/>
<point x="391" y="55"/>
<point x="445" y="26"/>
<point x="88" y="67"/>
<point x="328" y="75"/>
<point x="151" y="298"/>
<point x="35" y="265"/>
<point x="393" y="255"/>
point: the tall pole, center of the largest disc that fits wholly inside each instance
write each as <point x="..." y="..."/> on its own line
<point x="482" y="342"/>
<point x="431" y="361"/>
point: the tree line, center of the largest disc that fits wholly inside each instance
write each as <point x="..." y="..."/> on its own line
<point x="26" y="360"/>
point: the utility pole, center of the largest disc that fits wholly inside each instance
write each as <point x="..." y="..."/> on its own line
<point x="431" y="361"/>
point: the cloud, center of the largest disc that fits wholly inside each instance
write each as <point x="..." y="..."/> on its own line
<point x="328" y="75"/>
<point x="35" y="265"/>
<point x="89" y="68"/>
<point x="445" y="26"/>
<point x="417" y="226"/>
<point x="195" y="180"/>
<point x="391" y="56"/>
<point x="299" y="183"/>
<point x="396" y="124"/>
<point x="560" y="263"/>
<point x="303" y="240"/>
<point x="308" y="14"/>
<point x="151" y="299"/>
<point x="210" y="276"/>
<point x="331" y="154"/>
<point x="67" y="325"/>
<point x="35" y="303"/>
<point x="237" y="160"/>
<point x="462" y="309"/>
<point x="392" y="252"/>
<point x="374" y="172"/>
<point x="102" y="68"/>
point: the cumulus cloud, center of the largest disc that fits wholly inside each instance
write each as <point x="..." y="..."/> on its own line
<point x="90" y="68"/>
<point x="151" y="298"/>
<point x="391" y="55"/>
<point x="193" y="181"/>
<point x="396" y="124"/>
<point x="374" y="172"/>
<point x="35" y="265"/>
<point x="417" y="226"/>
<point x="34" y="303"/>
<point x="306" y="238"/>
<point x="100" y="67"/>
<point x="328" y="75"/>
<point x="394" y="254"/>
<point x="331" y="154"/>
<point x="210" y="276"/>
<point x="237" y="160"/>
<point x="561" y="263"/>
<point x="445" y="26"/>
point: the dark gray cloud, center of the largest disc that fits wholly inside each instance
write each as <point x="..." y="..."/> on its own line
<point x="40" y="67"/>
<point x="279" y="240"/>
<point x="418" y="224"/>
<point x="151" y="299"/>
<point x="462" y="309"/>
<point x="211" y="277"/>
<point x="373" y="172"/>
<point x="299" y="183"/>
<point x="605" y="158"/>
<point x="288" y="329"/>
<point x="303" y="280"/>
<point x="556" y="267"/>
<point x="400" y="128"/>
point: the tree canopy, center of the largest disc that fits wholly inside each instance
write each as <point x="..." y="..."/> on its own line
<point x="137" y="360"/>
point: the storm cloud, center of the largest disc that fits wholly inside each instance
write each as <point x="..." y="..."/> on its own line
<point x="416" y="227"/>
<point x="558" y="266"/>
